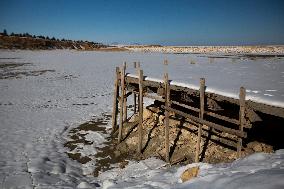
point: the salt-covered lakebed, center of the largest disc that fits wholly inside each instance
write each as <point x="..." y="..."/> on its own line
<point x="58" y="90"/>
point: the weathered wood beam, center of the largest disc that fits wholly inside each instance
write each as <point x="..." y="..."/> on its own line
<point x="201" y="113"/>
<point x="208" y="123"/>
<point x="224" y="118"/>
<point x="115" y="101"/>
<point x="122" y="86"/>
<point x="134" y="95"/>
<point x="166" y="120"/>
<point x="212" y="114"/>
<point x="185" y="106"/>
<point x="140" y="127"/>
<point x="265" y="108"/>
<point x="125" y="96"/>
<point x="231" y="143"/>
<point x="242" y="118"/>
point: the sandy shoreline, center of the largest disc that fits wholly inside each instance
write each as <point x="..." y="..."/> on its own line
<point x="256" y="50"/>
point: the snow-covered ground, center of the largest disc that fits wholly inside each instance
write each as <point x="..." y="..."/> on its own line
<point x="61" y="89"/>
<point x="259" y="171"/>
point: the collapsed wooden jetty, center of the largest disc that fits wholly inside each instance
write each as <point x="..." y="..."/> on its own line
<point x="217" y="112"/>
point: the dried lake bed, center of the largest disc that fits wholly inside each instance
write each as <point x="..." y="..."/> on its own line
<point x="45" y="94"/>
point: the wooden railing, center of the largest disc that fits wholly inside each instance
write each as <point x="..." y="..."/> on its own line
<point x="141" y="88"/>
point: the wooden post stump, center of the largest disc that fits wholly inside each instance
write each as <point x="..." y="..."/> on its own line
<point x="241" y="119"/>
<point x="140" y="110"/>
<point x="166" y="62"/>
<point x="167" y="103"/>
<point x="201" y="113"/>
<point x="115" y="102"/>
<point x="134" y="95"/>
<point x="125" y="97"/>
<point x="122" y="96"/>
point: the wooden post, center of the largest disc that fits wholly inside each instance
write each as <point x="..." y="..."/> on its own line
<point x="125" y="97"/>
<point x="135" y="102"/>
<point x="241" y="118"/>
<point x="140" y="110"/>
<point x="115" y="104"/>
<point x="167" y="102"/>
<point x="122" y="78"/>
<point x="134" y="95"/>
<point x="166" y="62"/>
<point x="201" y="95"/>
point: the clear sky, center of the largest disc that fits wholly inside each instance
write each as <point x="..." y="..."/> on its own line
<point x="167" y="22"/>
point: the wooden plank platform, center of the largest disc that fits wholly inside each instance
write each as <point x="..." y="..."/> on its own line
<point x="255" y="106"/>
<point x="224" y="114"/>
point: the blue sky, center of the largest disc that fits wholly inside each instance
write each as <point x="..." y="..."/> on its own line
<point x="167" y="22"/>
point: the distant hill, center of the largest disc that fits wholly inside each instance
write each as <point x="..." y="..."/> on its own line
<point x="27" y="41"/>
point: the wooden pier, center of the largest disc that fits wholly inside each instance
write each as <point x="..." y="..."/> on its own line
<point x="217" y="112"/>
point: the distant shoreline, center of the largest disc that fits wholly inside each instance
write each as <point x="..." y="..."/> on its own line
<point x="28" y="42"/>
<point x="262" y="50"/>
<point x="36" y="43"/>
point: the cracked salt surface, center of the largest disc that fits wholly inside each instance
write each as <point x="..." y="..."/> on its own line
<point x="43" y="108"/>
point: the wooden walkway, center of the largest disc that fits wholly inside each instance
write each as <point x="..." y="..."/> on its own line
<point x="201" y="107"/>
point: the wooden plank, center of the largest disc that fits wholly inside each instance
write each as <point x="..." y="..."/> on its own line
<point x="265" y="108"/>
<point x="185" y="106"/>
<point x="125" y="97"/>
<point x="208" y="123"/>
<point x="141" y="77"/>
<point x="201" y="113"/>
<point x="242" y="118"/>
<point x="218" y="139"/>
<point x="121" y="117"/>
<point x="224" y="118"/>
<point x="166" y="120"/>
<point x="212" y="114"/>
<point x="115" y="101"/>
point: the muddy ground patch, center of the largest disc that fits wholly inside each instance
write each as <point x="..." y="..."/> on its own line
<point x="9" y="70"/>
<point x="107" y="156"/>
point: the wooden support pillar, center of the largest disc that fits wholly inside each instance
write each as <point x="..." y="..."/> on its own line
<point x="166" y="62"/>
<point x="134" y="95"/>
<point x="125" y="97"/>
<point x="135" y="102"/>
<point x="167" y="104"/>
<point x="140" y="127"/>
<point x="115" y="101"/>
<point x="241" y="119"/>
<point x="201" y="113"/>
<point x="122" y="79"/>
